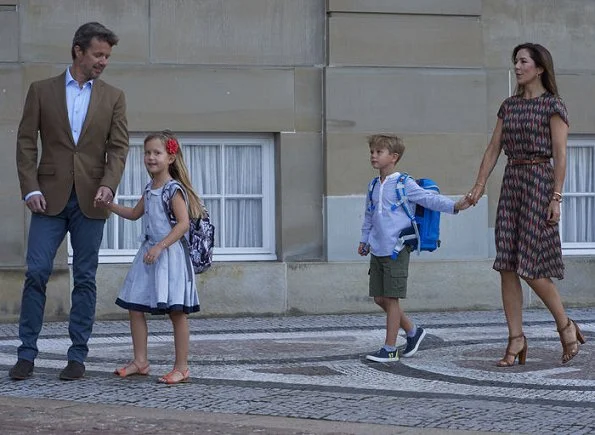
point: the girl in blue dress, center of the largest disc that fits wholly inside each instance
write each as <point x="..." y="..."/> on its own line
<point x="161" y="279"/>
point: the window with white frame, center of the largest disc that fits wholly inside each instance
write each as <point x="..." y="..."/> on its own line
<point x="577" y="222"/>
<point x="233" y="175"/>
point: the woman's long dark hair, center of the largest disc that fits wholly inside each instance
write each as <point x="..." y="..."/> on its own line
<point x="542" y="58"/>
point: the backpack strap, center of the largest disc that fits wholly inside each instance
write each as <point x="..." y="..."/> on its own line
<point x="403" y="201"/>
<point x="371" y="186"/>
<point x="167" y="195"/>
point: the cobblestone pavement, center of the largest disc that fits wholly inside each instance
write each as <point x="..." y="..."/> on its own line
<point x="308" y="374"/>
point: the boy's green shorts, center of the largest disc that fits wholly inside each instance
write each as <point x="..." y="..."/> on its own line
<point x="388" y="277"/>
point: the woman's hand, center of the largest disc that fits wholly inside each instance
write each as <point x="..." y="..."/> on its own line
<point x="463" y="204"/>
<point x="476" y="193"/>
<point x="553" y="212"/>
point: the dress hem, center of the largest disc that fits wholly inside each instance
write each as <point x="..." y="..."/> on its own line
<point x="559" y="277"/>
<point x="160" y="309"/>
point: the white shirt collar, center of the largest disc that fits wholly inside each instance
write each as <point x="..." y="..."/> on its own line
<point x="393" y="175"/>
<point x="70" y="79"/>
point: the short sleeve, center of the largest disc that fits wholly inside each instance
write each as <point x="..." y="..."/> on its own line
<point x="175" y="186"/>
<point x="559" y="108"/>
<point x="503" y="109"/>
<point x="167" y="194"/>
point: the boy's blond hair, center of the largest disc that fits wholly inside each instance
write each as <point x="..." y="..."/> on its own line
<point x="392" y="142"/>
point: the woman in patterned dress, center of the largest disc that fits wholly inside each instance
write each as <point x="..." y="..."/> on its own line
<point x="532" y="129"/>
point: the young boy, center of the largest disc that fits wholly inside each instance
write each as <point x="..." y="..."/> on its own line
<point x="384" y="220"/>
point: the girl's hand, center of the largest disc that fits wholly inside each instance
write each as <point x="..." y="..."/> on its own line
<point x="553" y="212"/>
<point x="363" y="249"/>
<point x="100" y="203"/>
<point x="152" y="254"/>
<point x="103" y="197"/>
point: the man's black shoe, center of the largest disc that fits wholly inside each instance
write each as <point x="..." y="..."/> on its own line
<point x="74" y="370"/>
<point x="23" y="369"/>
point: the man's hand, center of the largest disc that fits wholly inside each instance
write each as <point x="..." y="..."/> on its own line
<point x="104" y="197"/>
<point x="36" y="203"/>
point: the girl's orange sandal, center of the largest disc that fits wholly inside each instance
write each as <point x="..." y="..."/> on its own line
<point x="175" y="377"/>
<point x="124" y="371"/>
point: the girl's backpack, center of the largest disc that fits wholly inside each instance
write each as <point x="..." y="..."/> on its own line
<point x="201" y="234"/>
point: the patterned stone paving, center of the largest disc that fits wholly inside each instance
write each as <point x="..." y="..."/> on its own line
<point x="314" y="367"/>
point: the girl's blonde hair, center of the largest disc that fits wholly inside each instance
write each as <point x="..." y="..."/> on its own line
<point x="179" y="172"/>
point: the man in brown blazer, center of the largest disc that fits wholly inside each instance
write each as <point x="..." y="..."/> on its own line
<point x="81" y="121"/>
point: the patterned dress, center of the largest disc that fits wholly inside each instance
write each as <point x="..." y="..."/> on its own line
<point x="167" y="285"/>
<point x="525" y="242"/>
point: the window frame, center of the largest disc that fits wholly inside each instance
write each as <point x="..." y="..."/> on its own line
<point x="577" y="248"/>
<point x="265" y="253"/>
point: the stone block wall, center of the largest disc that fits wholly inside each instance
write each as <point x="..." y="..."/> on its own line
<point x="320" y="76"/>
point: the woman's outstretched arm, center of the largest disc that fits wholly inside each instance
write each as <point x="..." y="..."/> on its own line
<point x="490" y="157"/>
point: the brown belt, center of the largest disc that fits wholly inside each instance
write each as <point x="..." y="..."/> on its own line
<point x="535" y="161"/>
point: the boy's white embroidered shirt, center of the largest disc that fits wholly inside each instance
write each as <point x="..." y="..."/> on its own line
<point x="384" y="221"/>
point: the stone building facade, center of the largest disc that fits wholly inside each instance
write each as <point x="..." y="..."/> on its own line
<point x="279" y="96"/>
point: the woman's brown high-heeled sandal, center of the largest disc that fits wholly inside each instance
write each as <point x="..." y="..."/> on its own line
<point x="521" y="354"/>
<point x="570" y="348"/>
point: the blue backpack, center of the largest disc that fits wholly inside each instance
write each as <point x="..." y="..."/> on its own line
<point x="201" y="234"/>
<point x="424" y="232"/>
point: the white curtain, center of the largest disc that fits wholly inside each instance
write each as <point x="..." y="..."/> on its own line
<point x="578" y="207"/>
<point x="228" y="178"/>
<point x="121" y="233"/>
<point x="243" y="190"/>
<point x="204" y="164"/>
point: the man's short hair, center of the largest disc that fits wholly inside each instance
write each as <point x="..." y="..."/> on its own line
<point x="88" y="31"/>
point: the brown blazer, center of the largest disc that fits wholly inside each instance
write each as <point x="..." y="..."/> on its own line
<point x="97" y="160"/>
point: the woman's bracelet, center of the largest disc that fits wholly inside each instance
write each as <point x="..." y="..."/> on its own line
<point x="479" y="184"/>
<point x="557" y="196"/>
<point x="163" y="245"/>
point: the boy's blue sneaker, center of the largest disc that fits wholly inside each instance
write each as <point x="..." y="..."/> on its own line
<point x="414" y="342"/>
<point x="384" y="355"/>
